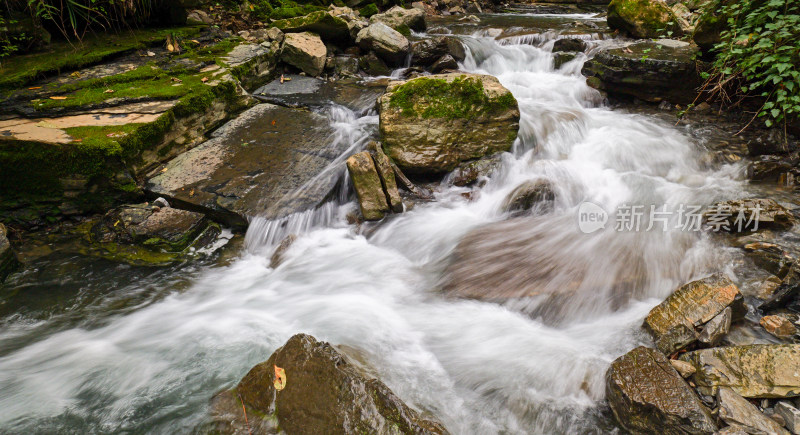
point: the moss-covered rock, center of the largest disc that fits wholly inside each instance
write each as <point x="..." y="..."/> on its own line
<point x="708" y="31"/>
<point x="647" y="395"/>
<point x="145" y="234"/>
<point x="643" y="18"/>
<point x="323" y="23"/>
<point x="431" y="124"/>
<point x="762" y="371"/>
<point x="323" y="394"/>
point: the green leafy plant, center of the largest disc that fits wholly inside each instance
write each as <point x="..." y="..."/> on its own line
<point x="758" y="58"/>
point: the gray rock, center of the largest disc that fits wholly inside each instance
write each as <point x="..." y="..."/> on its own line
<point x="569" y="44"/>
<point x="735" y="410"/>
<point x="645" y="392"/>
<point x="313" y="93"/>
<point x="305" y="51"/>
<point x="468" y="173"/>
<point x="647" y="70"/>
<point x="399" y="18"/>
<point x="756" y="371"/>
<point x="428" y="51"/>
<point x="787" y="292"/>
<point x="790" y="414"/>
<point x="373" y="65"/>
<point x="270" y="161"/>
<point x="386" y="42"/>
<point x="446" y="62"/>
<point x="275" y="34"/>
<point x="560" y="58"/>
<point x="198" y="16"/>
<point x="716" y="328"/>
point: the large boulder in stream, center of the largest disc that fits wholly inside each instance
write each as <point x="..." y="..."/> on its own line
<point x="652" y="71"/>
<point x="270" y="162"/>
<point x="401" y="19"/>
<point x="306" y="51"/>
<point x="8" y="260"/>
<point x="386" y="42"/>
<point x="149" y="234"/>
<point x="679" y="320"/>
<point x="323" y="393"/>
<point x="647" y="395"/>
<point x="323" y="23"/>
<point x="643" y="18"/>
<point x="431" y="124"/>
<point x="755" y="371"/>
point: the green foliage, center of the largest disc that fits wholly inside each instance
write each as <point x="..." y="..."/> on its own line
<point x="282" y="9"/>
<point x="759" y="56"/>
<point x="463" y="98"/>
<point x="368" y="10"/>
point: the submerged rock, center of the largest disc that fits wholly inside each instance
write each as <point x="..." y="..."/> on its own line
<point x="367" y="184"/>
<point x="401" y="19"/>
<point x="736" y="411"/>
<point x="305" y="51"/>
<point x="530" y="194"/>
<point x="569" y="44"/>
<point x="386" y="42"/>
<point x="763" y="371"/>
<point x="646" y="393"/>
<point x="673" y="322"/>
<point x="8" y="260"/>
<point x="148" y="234"/>
<point x="428" y="51"/>
<point x="260" y="164"/>
<point x="469" y="172"/>
<point x="431" y="124"/>
<point x="324" y="394"/>
<point x="648" y="70"/>
<point x="643" y="18"/>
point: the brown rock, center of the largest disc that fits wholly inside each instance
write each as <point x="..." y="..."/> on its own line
<point x="735" y="410"/>
<point x="685" y="369"/>
<point x="759" y="370"/>
<point x="368" y="186"/>
<point x="672" y="323"/>
<point x="323" y="394"/>
<point x="645" y="392"/>
<point x="385" y="171"/>
<point x="778" y="326"/>
<point x="306" y="51"/>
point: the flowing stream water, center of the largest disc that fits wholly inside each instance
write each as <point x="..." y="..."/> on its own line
<point x="147" y="355"/>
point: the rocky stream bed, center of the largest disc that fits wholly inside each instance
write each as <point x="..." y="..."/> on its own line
<point x="350" y="225"/>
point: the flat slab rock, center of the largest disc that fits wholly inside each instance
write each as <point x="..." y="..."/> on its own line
<point x="268" y="162"/>
<point x="51" y="129"/>
<point x="310" y="92"/>
<point x="762" y="371"/>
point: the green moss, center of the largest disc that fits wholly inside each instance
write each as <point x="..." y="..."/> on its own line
<point x="404" y="30"/>
<point x="368" y="10"/>
<point x="643" y="18"/>
<point x="437" y="98"/>
<point x="18" y="71"/>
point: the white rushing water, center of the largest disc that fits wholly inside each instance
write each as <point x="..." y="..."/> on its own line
<point x="532" y="365"/>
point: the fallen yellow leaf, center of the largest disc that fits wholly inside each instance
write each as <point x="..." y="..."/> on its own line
<point x="58" y="98"/>
<point x="280" y="378"/>
<point x="34" y="88"/>
<point x="108" y="91"/>
<point x="204" y="79"/>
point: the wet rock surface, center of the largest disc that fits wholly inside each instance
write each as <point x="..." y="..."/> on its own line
<point x="270" y="161"/>
<point x="655" y="71"/>
<point x="324" y="393"/>
<point x="367" y="184"/>
<point x="645" y="392"/>
<point x="760" y="213"/>
<point x="673" y="323"/>
<point x="150" y="234"/>
<point x="430" y="125"/>
<point x="763" y="371"/>
<point x="313" y="93"/>
<point x="389" y="44"/>
<point x="536" y="196"/>
<point x="736" y="411"/>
